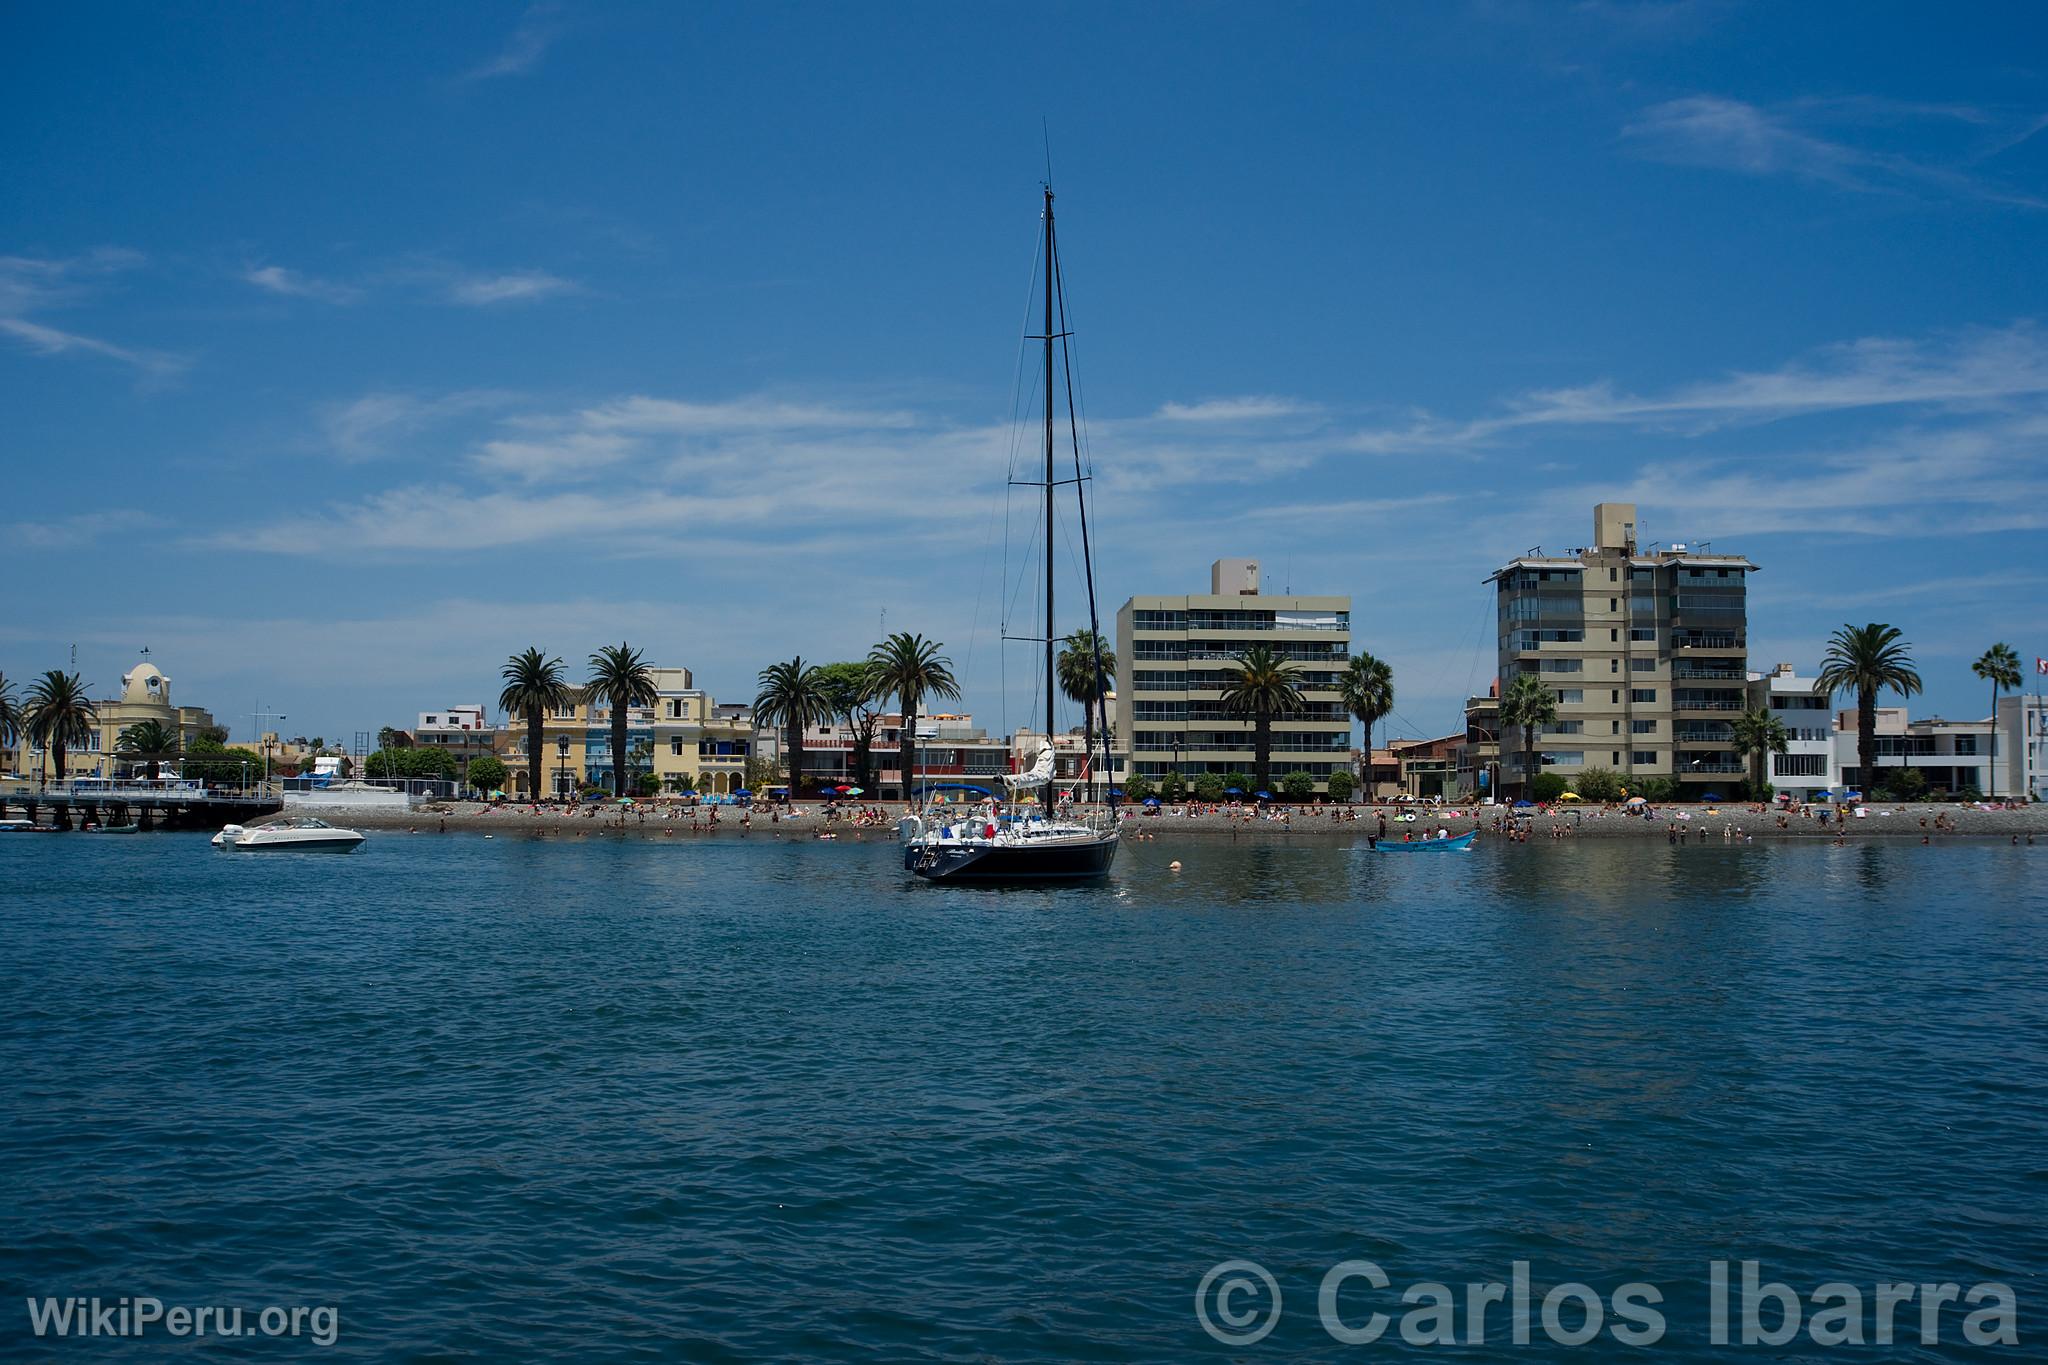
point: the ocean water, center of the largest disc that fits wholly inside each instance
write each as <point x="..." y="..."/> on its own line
<point x="722" y="1100"/>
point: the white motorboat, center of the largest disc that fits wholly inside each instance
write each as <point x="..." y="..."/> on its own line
<point x="288" y="833"/>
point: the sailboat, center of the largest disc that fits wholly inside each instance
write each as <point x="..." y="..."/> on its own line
<point x="1025" y="838"/>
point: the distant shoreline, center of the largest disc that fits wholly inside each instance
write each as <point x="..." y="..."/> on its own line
<point x="1888" y="822"/>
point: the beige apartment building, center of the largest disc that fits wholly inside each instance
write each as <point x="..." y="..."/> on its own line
<point x="1646" y="648"/>
<point x="1174" y="658"/>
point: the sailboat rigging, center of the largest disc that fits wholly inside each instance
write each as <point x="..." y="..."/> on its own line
<point x="988" y="842"/>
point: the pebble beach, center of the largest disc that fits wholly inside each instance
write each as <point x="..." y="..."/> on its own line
<point x="1931" y="821"/>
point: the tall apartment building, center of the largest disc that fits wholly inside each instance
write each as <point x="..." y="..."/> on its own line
<point x="1174" y="659"/>
<point x="1646" y="649"/>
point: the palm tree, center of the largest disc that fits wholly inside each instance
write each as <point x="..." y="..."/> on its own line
<point x="1367" y="687"/>
<point x="1758" y="733"/>
<point x="1265" y="686"/>
<point x="1530" y="704"/>
<point x="60" y="715"/>
<point x="620" y="675"/>
<point x="534" y="686"/>
<point x="1865" y="660"/>
<point x="2000" y="667"/>
<point x="910" y="668"/>
<point x="151" y="741"/>
<point x="793" y="695"/>
<point x="11" y="718"/>
<point x="1087" y="667"/>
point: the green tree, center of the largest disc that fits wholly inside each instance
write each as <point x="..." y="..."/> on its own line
<point x="1866" y="660"/>
<point x="60" y="715"/>
<point x="1903" y="784"/>
<point x="1299" y="784"/>
<point x="851" y="687"/>
<point x="1086" y="670"/>
<point x="792" y="695"/>
<point x="1242" y="782"/>
<point x="487" y="773"/>
<point x="1173" y="787"/>
<point x="534" y="686"/>
<point x="1367" y="686"/>
<point x="1547" y="787"/>
<point x="209" y="760"/>
<point x="1999" y="666"/>
<point x="1209" y="788"/>
<point x="620" y="675"/>
<point x="390" y="738"/>
<point x="12" y="717"/>
<point x="1599" y="784"/>
<point x="1342" y="784"/>
<point x="150" y="742"/>
<point x="1529" y="704"/>
<point x="910" y="668"/>
<point x="1758" y="734"/>
<point x="1261" y="687"/>
<point x="1137" y="787"/>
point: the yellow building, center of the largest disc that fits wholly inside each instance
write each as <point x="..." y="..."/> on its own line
<point x="687" y="740"/>
<point x="145" y="695"/>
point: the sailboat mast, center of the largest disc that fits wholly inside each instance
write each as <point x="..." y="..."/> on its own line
<point x="1050" y="634"/>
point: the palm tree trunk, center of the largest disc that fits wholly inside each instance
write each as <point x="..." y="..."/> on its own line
<point x="1529" y="763"/>
<point x="57" y="752"/>
<point x="618" y="748"/>
<point x="1993" y="793"/>
<point x="1262" y="751"/>
<point x="536" y="739"/>
<point x="1866" y="739"/>
<point x="796" y="755"/>
<point x="906" y="757"/>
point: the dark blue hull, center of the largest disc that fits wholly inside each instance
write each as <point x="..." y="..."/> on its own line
<point x="1048" y="862"/>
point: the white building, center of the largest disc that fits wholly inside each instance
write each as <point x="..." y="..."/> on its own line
<point x="1808" y="766"/>
<point x="1953" y="755"/>
<point x="2023" y="747"/>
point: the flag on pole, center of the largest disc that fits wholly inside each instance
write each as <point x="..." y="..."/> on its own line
<point x="2040" y="665"/>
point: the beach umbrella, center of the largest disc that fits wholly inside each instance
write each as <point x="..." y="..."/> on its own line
<point x="1711" y="796"/>
<point x="742" y="792"/>
<point x="1233" y="791"/>
<point x="1524" y="804"/>
<point x="1263" y="796"/>
<point x="853" y="791"/>
<point x="1571" y="796"/>
<point x="842" y="788"/>
<point x="1635" y="801"/>
<point x="1151" y="800"/>
<point x="1116" y="791"/>
<point x="625" y="800"/>
<point x="497" y="796"/>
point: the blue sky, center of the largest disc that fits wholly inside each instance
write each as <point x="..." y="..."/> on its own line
<point x="348" y="349"/>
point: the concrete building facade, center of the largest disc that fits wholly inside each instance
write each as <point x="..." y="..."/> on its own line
<point x="1646" y="649"/>
<point x="1174" y="658"/>
<point x="1807" y="767"/>
<point x="2023" y="747"/>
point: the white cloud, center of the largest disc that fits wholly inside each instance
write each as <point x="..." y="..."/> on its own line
<point x="528" y="43"/>
<point x="1247" y="409"/>
<point x="31" y="284"/>
<point x="277" y="279"/>
<point x="1727" y="134"/>
<point x="70" y="533"/>
<point x="481" y="291"/>
<point x="376" y="423"/>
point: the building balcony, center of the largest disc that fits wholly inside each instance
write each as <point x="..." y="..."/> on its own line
<point x="1707" y="640"/>
<point x="1708" y="672"/>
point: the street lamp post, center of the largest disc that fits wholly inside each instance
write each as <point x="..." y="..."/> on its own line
<point x="256" y="719"/>
<point x="561" y="765"/>
<point x="1181" y="776"/>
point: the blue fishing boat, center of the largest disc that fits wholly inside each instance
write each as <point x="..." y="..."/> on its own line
<point x="1461" y="843"/>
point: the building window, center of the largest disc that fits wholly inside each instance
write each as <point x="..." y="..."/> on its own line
<point x="1642" y="665"/>
<point x="1563" y="758"/>
<point x="1643" y="758"/>
<point x="1799" y="765"/>
<point x="1570" y="696"/>
<point x="1643" y="634"/>
<point x="1642" y="727"/>
<point x="1648" y="694"/>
